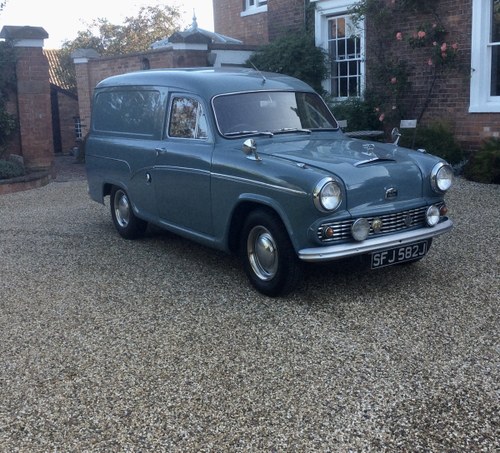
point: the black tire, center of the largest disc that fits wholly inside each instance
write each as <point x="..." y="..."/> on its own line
<point x="126" y="223"/>
<point x="268" y="256"/>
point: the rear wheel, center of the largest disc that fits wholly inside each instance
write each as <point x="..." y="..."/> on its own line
<point x="126" y="223"/>
<point x="268" y="256"/>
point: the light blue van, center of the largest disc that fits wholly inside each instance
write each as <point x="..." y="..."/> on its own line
<point x="255" y="164"/>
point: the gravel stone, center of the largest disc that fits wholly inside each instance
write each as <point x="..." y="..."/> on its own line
<point x="161" y="344"/>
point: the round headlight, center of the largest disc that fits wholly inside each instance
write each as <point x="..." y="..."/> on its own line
<point x="432" y="215"/>
<point x="327" y="195"/>
<point x="441" y="177"/>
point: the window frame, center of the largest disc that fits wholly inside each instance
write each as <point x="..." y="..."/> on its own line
<point x="199" y="114"/>
<point x="481" y="100"/>
<point x="253" y="7"/>
<point x="326" y="10"/>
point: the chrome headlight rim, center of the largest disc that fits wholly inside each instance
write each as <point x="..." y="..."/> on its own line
<point x="323" y="201"/>
<point x="437" y="177"/>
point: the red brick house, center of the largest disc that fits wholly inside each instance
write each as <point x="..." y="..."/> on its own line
<point x="469" y="101"/>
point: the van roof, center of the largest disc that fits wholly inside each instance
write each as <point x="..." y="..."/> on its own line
<point x="207" y="81"/>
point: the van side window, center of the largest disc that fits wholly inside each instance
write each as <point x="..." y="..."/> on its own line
<point x="187" y="119"/>
<point x="131" y="111"/>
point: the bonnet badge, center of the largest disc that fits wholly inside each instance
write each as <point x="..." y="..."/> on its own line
<point x="391" y="193"/>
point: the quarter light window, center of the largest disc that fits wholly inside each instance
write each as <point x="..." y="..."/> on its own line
<point x="187" y="119"/>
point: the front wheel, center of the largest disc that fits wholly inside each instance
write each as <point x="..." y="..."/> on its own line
<point x="126" y="223"/>
<point x="268" y="257"/>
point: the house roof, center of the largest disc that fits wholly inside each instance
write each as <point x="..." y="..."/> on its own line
<point x="197" y="35"/>
<point x="57" y="73"/>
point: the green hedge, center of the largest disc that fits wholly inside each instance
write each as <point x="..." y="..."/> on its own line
<point x="484" y="165"/>
<point x="10" y="170"/>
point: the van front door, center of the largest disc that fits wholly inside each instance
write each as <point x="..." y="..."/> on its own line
<point x="183" y="169"/>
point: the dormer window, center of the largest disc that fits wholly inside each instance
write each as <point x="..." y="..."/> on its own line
<point x="254" y="7"/>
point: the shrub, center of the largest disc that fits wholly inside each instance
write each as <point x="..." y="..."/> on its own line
<point x="437" y="139"/>
<point x="484" y="166"/>
<point x="360" y="115"/>
<point x="10" y="170"/>
<point x="295" y="55"/>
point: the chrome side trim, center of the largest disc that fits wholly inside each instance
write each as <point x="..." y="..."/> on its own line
<point x="258" y="183"/>
<point x="335" y="252"/>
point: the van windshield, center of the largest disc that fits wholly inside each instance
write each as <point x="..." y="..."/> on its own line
<point x="271" y="112"/>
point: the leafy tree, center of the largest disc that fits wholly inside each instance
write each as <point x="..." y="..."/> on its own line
<point x="135" y="35"/>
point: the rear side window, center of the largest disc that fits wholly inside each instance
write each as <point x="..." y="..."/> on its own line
<point x="187" y="119"/>
<point x="127" y="111"/>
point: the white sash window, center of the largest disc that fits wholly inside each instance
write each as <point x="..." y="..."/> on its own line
<point x="485" y="77"/>
<point x="336" y="33"/>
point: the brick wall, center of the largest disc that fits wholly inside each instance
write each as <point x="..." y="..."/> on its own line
<point x="451" y="93"/>
<point x="33" y="105"/>
<point x="252" y="29"/>
<point x="285" y="16"/>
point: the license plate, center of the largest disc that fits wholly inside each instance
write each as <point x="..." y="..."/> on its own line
<point x="399" y="254"/>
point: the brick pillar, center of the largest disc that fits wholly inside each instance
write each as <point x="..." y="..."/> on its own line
<point x="33" y="96"/>
<point x="85" y="88"/>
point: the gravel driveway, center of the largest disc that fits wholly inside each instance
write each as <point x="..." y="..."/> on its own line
<point x="162" y="345"/>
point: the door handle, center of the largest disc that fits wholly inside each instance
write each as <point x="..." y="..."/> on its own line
<point x="160" y="150"/>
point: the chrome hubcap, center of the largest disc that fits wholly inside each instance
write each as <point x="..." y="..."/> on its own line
<point x="262" y="253"/>
<point x="122" y="208"/>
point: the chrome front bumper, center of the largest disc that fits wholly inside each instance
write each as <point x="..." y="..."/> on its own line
<point x="336" y="252"/>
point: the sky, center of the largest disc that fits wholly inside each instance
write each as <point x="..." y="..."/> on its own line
<point x="63" y="19"/>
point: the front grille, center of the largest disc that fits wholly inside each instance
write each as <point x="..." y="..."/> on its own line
<point x="391" y="223"/>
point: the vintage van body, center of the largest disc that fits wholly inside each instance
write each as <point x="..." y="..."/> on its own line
<point x="256" y="164"/>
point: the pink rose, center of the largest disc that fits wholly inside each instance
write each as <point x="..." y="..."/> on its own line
<point x="381" y="117"/>
<point x="399" y="36"/>
<point x="421" y="34"/>
<point x="444" y="46"/>
<point x="454" y="46"/>
<point x="394" y="80"/>
<point x="430" y="62"/>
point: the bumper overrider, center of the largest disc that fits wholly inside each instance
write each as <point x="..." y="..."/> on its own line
<point x="373" y="244"/>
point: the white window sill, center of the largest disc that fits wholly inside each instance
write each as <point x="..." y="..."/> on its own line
<point x="485" y="107"/>
<point x="252" y="11"/>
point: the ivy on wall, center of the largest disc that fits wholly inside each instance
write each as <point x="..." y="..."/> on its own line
<point x="397" y="54"/>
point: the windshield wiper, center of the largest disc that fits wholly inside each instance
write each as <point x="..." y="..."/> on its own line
<point x="284" y="130"/>
<point x="232" y="134"/>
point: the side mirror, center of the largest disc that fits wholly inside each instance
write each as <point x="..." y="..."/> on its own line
<point x="250" y="149"/>
<point x="395" y="136"/>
